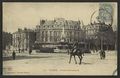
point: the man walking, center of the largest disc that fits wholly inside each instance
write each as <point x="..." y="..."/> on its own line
<point x="14" y="55"/>
<point x="102" y="54"/>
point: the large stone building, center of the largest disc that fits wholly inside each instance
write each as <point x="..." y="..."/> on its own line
<point x="23" y="39"/>
<point x="91" y="30"/>
<point x="52" y="32"/>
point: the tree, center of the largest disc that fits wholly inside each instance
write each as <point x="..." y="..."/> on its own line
<point x="105" y="35"/>
<point x="6" y="39"/>
<point x="19" y="39"/>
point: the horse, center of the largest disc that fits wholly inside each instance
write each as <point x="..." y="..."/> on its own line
<point x="77" y="52"/>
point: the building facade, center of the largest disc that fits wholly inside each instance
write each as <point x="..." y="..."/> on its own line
<point x="91" y="30"/>
<point x="23" y="39"/>
<point x="54" y="31"/>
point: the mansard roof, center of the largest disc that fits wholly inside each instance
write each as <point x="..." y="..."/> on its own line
<point x="59" y="23"/>
<point x="47" y="23"/>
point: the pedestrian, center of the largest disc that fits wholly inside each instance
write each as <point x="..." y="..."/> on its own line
<point x="14" y="55"/>
<point x="102" y="54"/>
<point x="19" y="50"/>
<point x="30" y="51"/>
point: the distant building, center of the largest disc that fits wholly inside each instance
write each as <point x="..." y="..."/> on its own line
<point x="23" y="39"/>
<point x="51" y="32"/>
<point x="91" y="30"/>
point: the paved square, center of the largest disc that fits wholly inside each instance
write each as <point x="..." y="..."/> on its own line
<point x="57" y="64"/>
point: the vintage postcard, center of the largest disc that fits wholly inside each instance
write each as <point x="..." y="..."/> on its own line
<point x="57" y="38"/>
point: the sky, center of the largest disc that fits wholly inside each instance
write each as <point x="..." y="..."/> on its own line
<point x="19" y="15"/>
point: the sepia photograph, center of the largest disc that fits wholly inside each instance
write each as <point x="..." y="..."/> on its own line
<point x="59" y="38"/>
